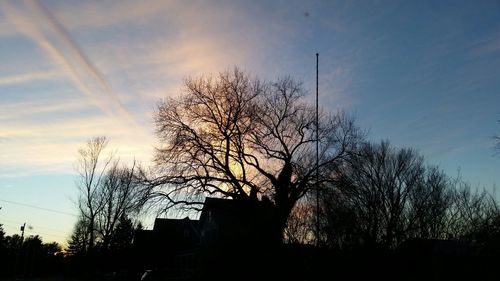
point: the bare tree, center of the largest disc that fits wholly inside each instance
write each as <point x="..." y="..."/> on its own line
<point x="242" y="138"/>
<point x="108" y="191"/>
<point x="384" y="195"/>
<point x="92" y="169"/>
<point x="470" y="211"/>
<point x="430" y="203"/>
<point x="300" y="225"/>
<point x="121" y="197"/>
<point x="341" y="221"/>
<point x="382" y="179"/>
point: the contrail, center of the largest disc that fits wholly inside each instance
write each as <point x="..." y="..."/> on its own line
<point x="74" y="62"/>
<point x="39" y="75"/>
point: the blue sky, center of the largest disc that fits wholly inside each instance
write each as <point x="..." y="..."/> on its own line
<point x="419" y="73"/>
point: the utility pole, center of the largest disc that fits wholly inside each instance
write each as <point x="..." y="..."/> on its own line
<point x="317" y="154"/>
<point x="22" y="231"/>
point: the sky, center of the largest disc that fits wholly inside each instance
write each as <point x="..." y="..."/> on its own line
<point x="421" y="74"/>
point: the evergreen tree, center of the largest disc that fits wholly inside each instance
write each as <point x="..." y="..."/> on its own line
<point x="123" y="234"/>
<point x="78" y="242"/>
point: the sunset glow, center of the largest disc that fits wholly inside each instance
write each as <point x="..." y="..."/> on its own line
<point x="421" y="75"/>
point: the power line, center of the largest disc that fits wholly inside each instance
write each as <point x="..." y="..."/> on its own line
<point x="39" y="208"/>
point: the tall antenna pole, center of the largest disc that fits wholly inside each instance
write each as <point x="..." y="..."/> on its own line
<point x="317" y="154"/>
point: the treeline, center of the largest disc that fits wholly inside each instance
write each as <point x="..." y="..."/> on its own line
<point x="249" y="140"/>
<point x="100" y="259"/>
<point x="28" y="257"/>
<point x="380" y="196"/>
<point x="260" y="145"/>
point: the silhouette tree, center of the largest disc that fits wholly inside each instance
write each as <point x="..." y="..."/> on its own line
<point x="384" y="195"/>
<point x="92" y="170"/>
<point x="2" y="233"/>
<point x="121" y="196"/>
<point x="301" y="223"/>
<point x="108" y="191"/>
<point x="3" y="249"/>
<point x="123" y="235"/>
<point x="242" y="138"/>
<point x="79" y="240"/>
<point x="430" y="203"/>
<point x="471" y="212"/>
<point x="29" y="257"/>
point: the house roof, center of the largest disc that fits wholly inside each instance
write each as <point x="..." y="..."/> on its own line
<point x="227" y="211"/>
<point x="163" y="225"/>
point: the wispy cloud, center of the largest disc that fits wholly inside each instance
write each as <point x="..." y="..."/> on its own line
<point x="28" y="77"/>
<point x="52" y="148"/>
<point x="97" y="14"/>
<point x="49" y="145"/>
<point x="108" y="13"/>
<point x="196" y="45"/>
<point x="17" y="111"/>
<point x="485" y="45"/>
<point x="178" y="42"/>
<point x="65" y="53"/>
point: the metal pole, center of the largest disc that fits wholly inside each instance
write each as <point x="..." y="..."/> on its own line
<point x="22" y="231"/>
<point x="317" y="154"/>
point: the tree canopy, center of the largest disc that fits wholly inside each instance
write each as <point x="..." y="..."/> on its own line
<point x="244" y="138"/>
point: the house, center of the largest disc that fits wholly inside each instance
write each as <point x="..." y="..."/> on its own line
<point x="169" y="240"/>
<point x="225" y="228"/>
<point x="236" y="223"/>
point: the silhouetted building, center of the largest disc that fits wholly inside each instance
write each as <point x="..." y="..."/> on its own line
<point x="170" y="242"/>
<point x="236" y="223"/>
<point x="228" y="230"/>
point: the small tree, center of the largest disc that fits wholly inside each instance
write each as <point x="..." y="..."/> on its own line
<point x="78" y="243"/>
<point x="108" y="191"/>
<point x="121" y="196"/>
<point x="123" y="235"/>
<point x="92" y="170"/>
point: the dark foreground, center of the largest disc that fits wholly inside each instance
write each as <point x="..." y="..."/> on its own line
<point x="416" y="262"/>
